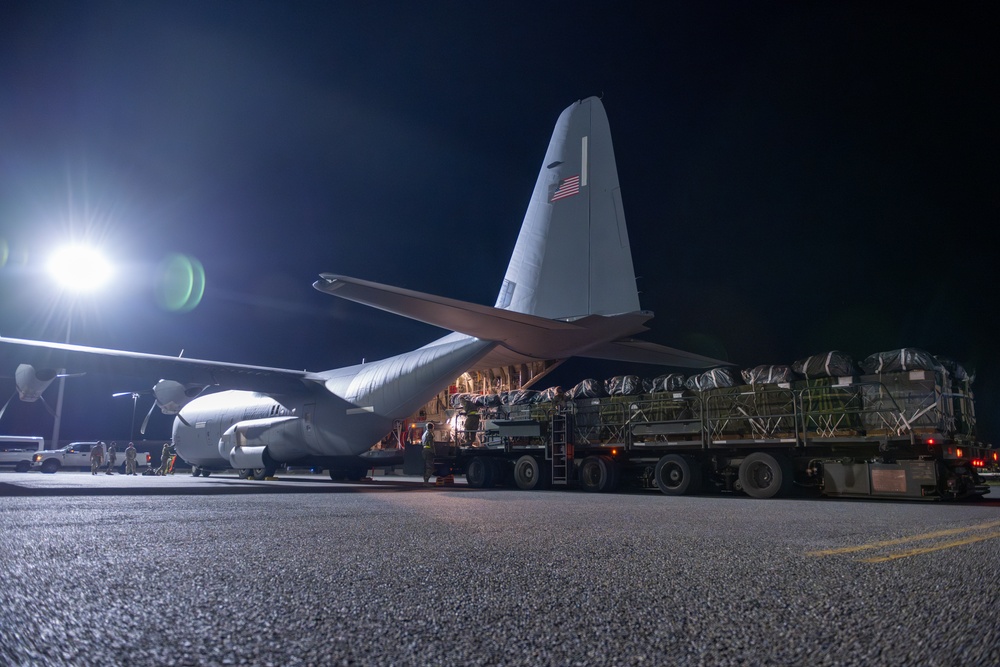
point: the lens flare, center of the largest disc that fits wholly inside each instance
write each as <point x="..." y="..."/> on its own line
<point x="181" y="283"/>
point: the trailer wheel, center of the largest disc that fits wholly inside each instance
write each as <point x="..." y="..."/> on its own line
<point x="675" y="476"/>
<point x="480" y="473"/>
<point x="763" y="475"/>
<point x="529" y="474"/>
<point x="598" y="474"/>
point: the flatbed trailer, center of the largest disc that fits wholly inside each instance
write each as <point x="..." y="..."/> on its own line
<point x="893" y="435"/>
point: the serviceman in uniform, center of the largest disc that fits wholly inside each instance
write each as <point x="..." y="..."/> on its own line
<point x="130" y="459"/>
<point x="96" y="457"/>
<point x="165" y="459"/>
<point x="428" y="442"/>
<point x="471" y="423"/>
<point x="112" y="457"/>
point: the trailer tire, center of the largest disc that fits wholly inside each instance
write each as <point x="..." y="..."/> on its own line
<point x="677" y="476"/>
<point x="529" y="474"/>
<point x="598" y="474"/>
<point x="480" y="473"/>
<point x="764" y="475"/>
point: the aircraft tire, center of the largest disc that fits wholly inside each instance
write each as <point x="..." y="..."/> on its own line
<point x="263" y="473"/>
<point x="205" y="472"/>
<point x="195" y="471"/>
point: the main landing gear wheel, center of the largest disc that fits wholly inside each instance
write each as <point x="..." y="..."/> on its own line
<point x="598" y="474"/>
<point x="529" y="474"/>
<point x="480" y="473"/>
<point x="677" y="476"/>
<point x="263" y="473"/>
<point x="764" y="475"/>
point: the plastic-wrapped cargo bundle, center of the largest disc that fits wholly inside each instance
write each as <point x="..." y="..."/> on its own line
<point x="550" y="395"/>
<point x="900" y="361"/>
<point x="713" y="379"/>
<point x="955" y="369"/>
<point x="669" y="382"/>
<point x="826" y="364"/>
<point x="588" y="388"/>
<point x="522" y="397"/>
<point x="487" y="401"/>
<point x="767" y="374"/>
<point x="623" y="385"/>
<point x="459" y="400"/>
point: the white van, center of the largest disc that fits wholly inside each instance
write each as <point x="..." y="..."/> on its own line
<point x="16" y="451"/>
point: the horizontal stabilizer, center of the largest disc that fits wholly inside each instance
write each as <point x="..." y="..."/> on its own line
<point x="642" y="352"/>
<point x="528" y="336"/>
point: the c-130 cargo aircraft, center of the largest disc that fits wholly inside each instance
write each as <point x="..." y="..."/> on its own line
<point x="569" y="290"/>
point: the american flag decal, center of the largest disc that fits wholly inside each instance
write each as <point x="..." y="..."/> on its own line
<point x="567" y="188"/>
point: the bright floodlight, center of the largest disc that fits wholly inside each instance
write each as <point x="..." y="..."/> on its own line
<point x="79" y="268"/>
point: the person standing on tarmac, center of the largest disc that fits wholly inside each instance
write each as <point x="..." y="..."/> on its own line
<point x="96" y="457"/>
<point x="130" y="459"/>
<point x="112" y="457"/>
<point x="165" y="459"/>
<point x="427" y="440"/>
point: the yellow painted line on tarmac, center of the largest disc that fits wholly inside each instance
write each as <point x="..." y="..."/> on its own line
<point x="927" y="550"/>
<point x="912" y="538"/>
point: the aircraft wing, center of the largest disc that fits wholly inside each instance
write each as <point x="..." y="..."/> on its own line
<point x="151" y="367"/>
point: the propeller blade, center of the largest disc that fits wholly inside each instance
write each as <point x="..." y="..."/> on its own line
<point x="4" y="409"/>
<point x="183" y="421"/>
<point x="47" y="406"/>
<point x="145" y="422"/>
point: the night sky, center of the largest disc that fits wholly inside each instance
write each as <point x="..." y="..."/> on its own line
<point x="797" y="177"/>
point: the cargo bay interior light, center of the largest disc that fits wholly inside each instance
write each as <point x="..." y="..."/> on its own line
<point x="79" y="268"/>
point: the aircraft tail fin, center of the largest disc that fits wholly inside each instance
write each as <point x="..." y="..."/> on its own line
<point x="572" y="257"/>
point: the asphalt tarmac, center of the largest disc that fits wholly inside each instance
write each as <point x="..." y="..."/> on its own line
<point x="114" y="570"/>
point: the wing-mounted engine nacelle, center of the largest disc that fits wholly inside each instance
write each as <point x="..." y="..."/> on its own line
<point x="171" y="395"/>
<point x="31" y="382"/>
<point x="256" y="443"/>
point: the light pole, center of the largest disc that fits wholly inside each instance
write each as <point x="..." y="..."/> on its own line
<point x="75" y="268"/>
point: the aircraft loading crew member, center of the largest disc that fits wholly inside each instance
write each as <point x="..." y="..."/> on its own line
<point x="130" y="459"/>
<point x="96" y="457"/>
<point x="112" y="457"/>
<point x="471" y="422"/>
<point x="165" y="459"/>
<point x="428" y="442"/>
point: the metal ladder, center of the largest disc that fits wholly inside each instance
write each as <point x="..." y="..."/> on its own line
<point x="562" y="451"/>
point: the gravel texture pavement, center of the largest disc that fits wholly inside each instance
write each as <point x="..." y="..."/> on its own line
<point x="161" y="572"/>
